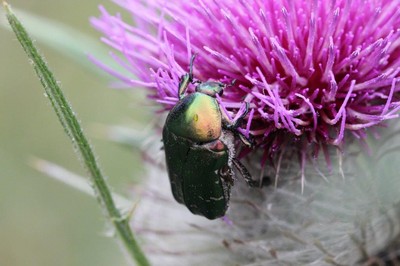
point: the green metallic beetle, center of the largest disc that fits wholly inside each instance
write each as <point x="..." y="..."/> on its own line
<point x="199" y="148"/>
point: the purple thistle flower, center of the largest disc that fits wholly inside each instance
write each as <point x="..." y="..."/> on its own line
<point x="311" y="70"/>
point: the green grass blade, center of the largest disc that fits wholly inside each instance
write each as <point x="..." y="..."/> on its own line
<point x="74" y="131"/>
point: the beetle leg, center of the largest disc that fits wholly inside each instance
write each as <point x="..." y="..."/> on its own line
<point x="238" y="121"/>
<point x="226" y="174"/>
<point x="244" y="172"/>
<point x="186" y="79"/>
<point x="227" y="123"/>
<point x="191" y="66"/>
<point x="183" y="84"/>
<point x="247" y="177"/>
<point x="248" y="141"/>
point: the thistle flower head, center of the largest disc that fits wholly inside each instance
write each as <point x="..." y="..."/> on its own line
<point x="311" y="70"/>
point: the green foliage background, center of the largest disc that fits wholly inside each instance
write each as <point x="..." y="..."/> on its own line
<point x="43" y="222"/>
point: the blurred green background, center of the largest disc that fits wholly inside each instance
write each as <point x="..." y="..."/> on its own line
<point x="44" y="222"/>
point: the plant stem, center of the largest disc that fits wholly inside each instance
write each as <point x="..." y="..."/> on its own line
<point x="73" y="129"/>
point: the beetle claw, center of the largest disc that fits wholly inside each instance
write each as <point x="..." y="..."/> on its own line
<point x="248" y="141"/>
<point x="265" y="182"/>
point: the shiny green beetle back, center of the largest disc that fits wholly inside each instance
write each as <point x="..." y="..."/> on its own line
<point x="194" y="175"/>
<point x="204" y="191"/>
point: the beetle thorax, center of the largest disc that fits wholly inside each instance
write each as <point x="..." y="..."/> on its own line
<point x="196" y="117"/>
<point x="204" y="117"/>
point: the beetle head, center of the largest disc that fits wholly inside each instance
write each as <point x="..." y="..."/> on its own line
<point x="211" y="88"/>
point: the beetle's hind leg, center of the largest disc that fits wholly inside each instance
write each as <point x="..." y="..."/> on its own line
<point x="247" y="176"/>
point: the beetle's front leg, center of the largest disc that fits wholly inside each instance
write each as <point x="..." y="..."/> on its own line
<point x="238" y="121"/>
<point x="186" y="79"/>
<point x="227" y="124"/>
